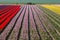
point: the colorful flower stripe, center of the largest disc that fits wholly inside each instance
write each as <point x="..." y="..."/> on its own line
<point x="54" y="8"/>
<point x="8" y="17"/>
<point x="4" y="9"/>
<point x="6" y="13"/>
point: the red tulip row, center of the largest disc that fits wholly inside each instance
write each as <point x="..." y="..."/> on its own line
<point x="4" y="9"/>
<point x="7" y="14"/>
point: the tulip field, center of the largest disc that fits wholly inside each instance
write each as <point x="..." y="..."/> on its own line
<point x="29" y="22"/>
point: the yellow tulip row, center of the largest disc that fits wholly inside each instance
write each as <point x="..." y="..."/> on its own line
<point x="55" y="8"/>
